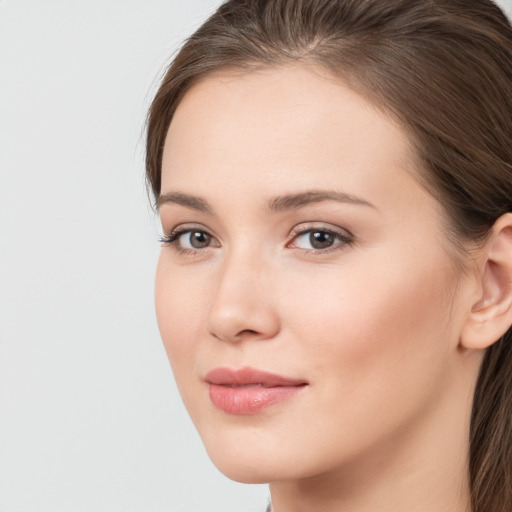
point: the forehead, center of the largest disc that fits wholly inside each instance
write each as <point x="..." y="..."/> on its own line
<point x="278" y="124"/>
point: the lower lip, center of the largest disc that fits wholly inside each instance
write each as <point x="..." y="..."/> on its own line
<point x="249" y="400"/>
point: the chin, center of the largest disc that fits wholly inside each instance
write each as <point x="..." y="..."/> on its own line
<point x="249" y="471"/>
<point x="246" y="459"/>
<point x="245" y="474"/>
<point x="241" y="463"/>
<point x="255" y="459"/>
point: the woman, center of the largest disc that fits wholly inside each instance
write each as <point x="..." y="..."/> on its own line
<point x="334" y="291"/>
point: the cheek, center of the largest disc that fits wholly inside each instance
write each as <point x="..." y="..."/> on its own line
<point x="179" y="312"/>
<point x="369" y="305"/>
<point x="374" y="339"/>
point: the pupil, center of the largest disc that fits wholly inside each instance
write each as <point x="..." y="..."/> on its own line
<point x="199" y="240"/>
<point x="321" y="239"/>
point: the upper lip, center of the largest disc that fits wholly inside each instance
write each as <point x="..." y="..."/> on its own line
<point x="249" y="376"/>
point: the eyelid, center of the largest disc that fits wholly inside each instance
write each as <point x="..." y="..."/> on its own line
<point x="171" y="238"/>
<point x="346" y="237"/>
<point x="305" y="227"/>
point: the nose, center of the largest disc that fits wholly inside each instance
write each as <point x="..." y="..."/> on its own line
<point x="243" y="301"/>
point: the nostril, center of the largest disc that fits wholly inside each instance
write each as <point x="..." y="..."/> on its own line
<point x="247" y="332"/>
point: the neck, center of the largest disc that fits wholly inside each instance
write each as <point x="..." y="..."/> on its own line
<point x="424" y="467"/>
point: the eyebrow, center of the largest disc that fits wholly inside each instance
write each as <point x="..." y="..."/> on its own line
<point x="302" y="199"/>
<point x="186" y="200"/>
<point x="276" y="204"/>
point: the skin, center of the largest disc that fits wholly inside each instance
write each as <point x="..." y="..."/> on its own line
<point x="372" y="323"/>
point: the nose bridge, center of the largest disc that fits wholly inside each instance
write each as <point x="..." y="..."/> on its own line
<point x="241" y="304"/>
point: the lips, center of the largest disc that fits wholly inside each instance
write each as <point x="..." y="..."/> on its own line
<point x="249" y="391"/>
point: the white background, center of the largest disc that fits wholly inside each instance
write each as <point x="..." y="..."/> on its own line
<point x="90" y="419"/>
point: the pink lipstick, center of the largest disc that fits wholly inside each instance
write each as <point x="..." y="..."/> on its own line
<point x="249" y="391"/>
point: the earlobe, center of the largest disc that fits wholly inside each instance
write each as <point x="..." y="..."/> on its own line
<point x="491" y="314"/>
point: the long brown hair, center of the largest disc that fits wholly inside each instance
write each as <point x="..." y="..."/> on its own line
<point x="443" y="68"/>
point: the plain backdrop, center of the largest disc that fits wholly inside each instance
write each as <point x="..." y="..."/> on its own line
<point x="90" y="418"/>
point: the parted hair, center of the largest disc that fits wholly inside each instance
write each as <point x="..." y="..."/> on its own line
<point x="443" y="69"/>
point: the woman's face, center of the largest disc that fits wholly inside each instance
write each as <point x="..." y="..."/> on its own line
<point x="301" y="245"/>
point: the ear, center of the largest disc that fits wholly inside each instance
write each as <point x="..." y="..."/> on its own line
<point x="491" y="313"/>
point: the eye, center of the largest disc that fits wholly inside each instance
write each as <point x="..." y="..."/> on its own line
<point x="194" y="240"/>
<point x="190" y="239"/>
<point x="320" y="239"/>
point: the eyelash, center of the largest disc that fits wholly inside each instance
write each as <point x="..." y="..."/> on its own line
<point x="172" y="238"/>
<point x="345" y="239"/>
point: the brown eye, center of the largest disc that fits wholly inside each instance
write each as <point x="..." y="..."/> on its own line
<point x="321" y="239"/>
<point x="190" y="239"/>
<point x="195" y="240"/>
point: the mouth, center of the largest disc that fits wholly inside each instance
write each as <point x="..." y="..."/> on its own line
<point x="249" y="391"/>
